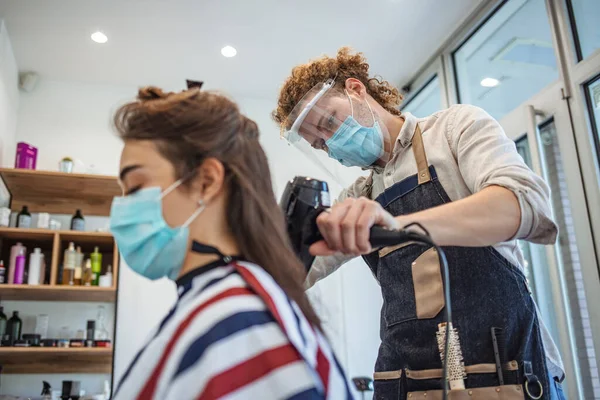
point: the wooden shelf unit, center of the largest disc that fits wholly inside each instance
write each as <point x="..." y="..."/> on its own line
<point x="53" y="244"/>
<point x="60" y="193"/>
<point x="53" y="360"/>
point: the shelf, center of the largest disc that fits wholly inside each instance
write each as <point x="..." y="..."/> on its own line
<point x="32" y="360"/>
<point x="93" y="238"/>
<point x="47" y="234"/>
<point x="57" y="293"/>
<point x="31" y="234"/>
<point x="53" y="243"/>
<point x="60" y="193"/>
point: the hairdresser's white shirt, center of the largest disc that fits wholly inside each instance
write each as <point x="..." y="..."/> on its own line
<point x="470" y="152"/>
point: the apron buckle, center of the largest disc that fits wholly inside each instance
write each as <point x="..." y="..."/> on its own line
<point x="532" y="379"/>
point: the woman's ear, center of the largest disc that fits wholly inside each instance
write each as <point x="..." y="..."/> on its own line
<point x="209" y="181"/>
<point x="355" y="88"/>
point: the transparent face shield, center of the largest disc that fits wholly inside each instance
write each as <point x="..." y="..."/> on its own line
<point x="339" y="133"/>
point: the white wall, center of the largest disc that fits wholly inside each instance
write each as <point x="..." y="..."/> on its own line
<point x="9" y="99"/>
<point x="72" y="119"/>
<point x="66" y="118"/>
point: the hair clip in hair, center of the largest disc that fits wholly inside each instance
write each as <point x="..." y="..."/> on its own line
<point x="193" y="84"/>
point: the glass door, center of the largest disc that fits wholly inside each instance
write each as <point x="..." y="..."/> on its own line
<point x="563" y="277"/>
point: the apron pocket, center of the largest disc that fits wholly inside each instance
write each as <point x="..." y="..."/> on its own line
<point x="429" y="288"/>
<point x="478" y="376"/>
<point x="506" y="392"/>
<point x="412" y="290"/>
<point x="388" y="385"/>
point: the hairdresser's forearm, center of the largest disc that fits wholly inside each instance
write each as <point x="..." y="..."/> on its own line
<point x="485" y="218"/>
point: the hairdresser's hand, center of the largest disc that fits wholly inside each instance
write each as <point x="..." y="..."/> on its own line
<point x="346" y="227"/>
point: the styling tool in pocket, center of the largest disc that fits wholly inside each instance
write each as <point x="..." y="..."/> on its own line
<point x="499" y="352"/>
<point x="456" y="373"/>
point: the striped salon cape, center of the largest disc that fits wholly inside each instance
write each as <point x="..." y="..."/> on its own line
<point x="234" y="334"/>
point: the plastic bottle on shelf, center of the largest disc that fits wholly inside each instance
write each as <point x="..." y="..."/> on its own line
<point x="96" y="258"/>
<point x="69" y="265"/>
<point x="106" y="279"/>
<point x="78" y="222"/>
<point x="3" y="321"/>
<point x="13" y="328"/>
<point x="87" y="273"/>
<point x="41" y="325"/>
<point x="101" y="332"/>
<point x="3" y="276"/>
<point x="78" y="267"/>
<point x="35" y="276"/>
<point x="24" y="218"/>
<point x="14" y="252"/>
<point x="20" y="267"/>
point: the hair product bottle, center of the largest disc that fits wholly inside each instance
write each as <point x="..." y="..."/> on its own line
<point x="2" y="274"/>
<point x="69" y="265"/>
<point x="3" y="322"/>
<point x="35" y="276"/>
<point x="78" y="267"/>
<point x="14" y="252"/>
<point x="13" y="328"/>
<point x="41" y="325"/>
<point x="24" y="218"/>
<point x="78" y="222"/>
<point x="106" y="279"/>
<point x="20" y="267"/>
<point x="96" y="258"/>
<point x="87" y="273"/>
<point x="101" y="331"/>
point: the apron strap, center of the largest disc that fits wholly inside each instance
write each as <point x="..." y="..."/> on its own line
<point x="420" y="156"/>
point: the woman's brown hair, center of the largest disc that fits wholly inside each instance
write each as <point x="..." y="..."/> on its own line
<point x="189" y="127"/>
<point x="346" y="64"/>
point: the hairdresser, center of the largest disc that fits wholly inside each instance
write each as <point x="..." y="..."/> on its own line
<point x="459" y="176"/>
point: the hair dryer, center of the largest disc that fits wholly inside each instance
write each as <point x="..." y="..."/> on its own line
<point x="304" y="199"/>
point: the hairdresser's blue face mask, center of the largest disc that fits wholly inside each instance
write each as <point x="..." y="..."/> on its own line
<point x="354" y="145"/>
<point x="147" y="243"/>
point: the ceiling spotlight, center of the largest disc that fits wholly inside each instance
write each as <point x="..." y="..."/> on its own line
<point x="228" y="51"/>
<point x="489" y="82"/>
<point x="99" y="37"/>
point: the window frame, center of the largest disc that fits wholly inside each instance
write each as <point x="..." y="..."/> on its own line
<point x="434" y="69"/>
<point x="420" y="90"/>
<point x="570" y="87"/>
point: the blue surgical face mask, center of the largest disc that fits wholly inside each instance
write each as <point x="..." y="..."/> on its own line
<point x="354" y="145"/>
<point x="147" y="243"/>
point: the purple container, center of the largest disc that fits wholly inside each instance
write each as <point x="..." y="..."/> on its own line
<point x="26" y="157"/>
<point x="19" y="269"/>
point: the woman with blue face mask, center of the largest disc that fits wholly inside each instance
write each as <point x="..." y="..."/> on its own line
<point x="199" y="208"/>
<point x="458" y="175"/>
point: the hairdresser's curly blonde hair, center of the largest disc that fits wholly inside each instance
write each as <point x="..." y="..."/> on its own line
<point x="347" y="64"/>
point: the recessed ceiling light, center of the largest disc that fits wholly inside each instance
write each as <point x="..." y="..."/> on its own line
<point x="99" y="37"/>
<point x="228" y="51"/>
<point x="489" y="82"/>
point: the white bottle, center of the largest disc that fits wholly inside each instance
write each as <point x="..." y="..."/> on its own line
<point x="106" y="280"/>
<point x="106" y="390"/>
<point x="41" y="325"/>
<point x="35" y="267"/>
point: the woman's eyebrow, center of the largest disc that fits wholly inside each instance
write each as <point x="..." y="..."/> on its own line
<point x="127" y="170"/>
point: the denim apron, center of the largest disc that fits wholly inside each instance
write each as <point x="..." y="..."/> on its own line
<point x="487" y="292"/>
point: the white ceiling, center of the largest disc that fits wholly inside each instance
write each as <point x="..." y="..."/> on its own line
<point x="163" y="42"/>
